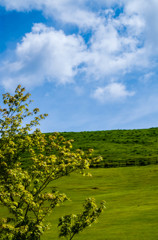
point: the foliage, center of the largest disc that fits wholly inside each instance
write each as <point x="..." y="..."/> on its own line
<point x="23" y="191"/>
<point x="73" y="224"/>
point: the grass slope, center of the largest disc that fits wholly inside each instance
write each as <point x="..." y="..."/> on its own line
<point x="131" y="194"/>
<point x="119" y="147"/>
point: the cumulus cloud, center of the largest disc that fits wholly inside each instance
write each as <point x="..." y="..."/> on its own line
<point x="114" y="52"/>
<point x="111" y="92"/>
<point x="147" y="11"/>
<point x="44" y="54"/>
<point x="67" y="11"/>
<point x="117" y="45"/>
<point x="82" y="12"/>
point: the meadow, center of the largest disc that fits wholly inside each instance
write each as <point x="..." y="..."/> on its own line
<point x="131" y="195"/>
<point x="119" y="148"/>
<point x="126" y="179"/>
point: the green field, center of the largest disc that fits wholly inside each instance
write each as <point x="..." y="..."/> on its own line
<point x="119" y="147"/>
<point x="132" y="203"/>
<point x="131" y="192"/>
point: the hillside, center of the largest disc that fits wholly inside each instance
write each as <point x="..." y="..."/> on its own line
<point x="119" y="147"/>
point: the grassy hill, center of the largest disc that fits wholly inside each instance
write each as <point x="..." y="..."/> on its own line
<point x="119" y="147"/>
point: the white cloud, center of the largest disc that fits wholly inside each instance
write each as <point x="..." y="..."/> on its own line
<point x="82" y="12"/>
<point x="113" y="52"/>
<point x="117" y="46"/>
<point x="111" y="92"/>
<point x="46" y="54"/>
<point x="43" y="54"/>
<point x="68" y="11"/>
<point x="147" y="11"/>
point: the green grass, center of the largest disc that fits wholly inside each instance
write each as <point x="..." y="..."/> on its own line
<point x="131" y="194"/>
<point x="119" y="147"/>
<point x="132" y="203"/>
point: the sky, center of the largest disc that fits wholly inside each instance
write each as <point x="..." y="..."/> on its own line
<point x="91" y="65"/>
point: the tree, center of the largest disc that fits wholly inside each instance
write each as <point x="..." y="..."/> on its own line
<point x="23" y="189"/>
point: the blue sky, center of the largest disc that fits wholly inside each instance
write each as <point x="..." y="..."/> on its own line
<point x="91" y="65"/>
